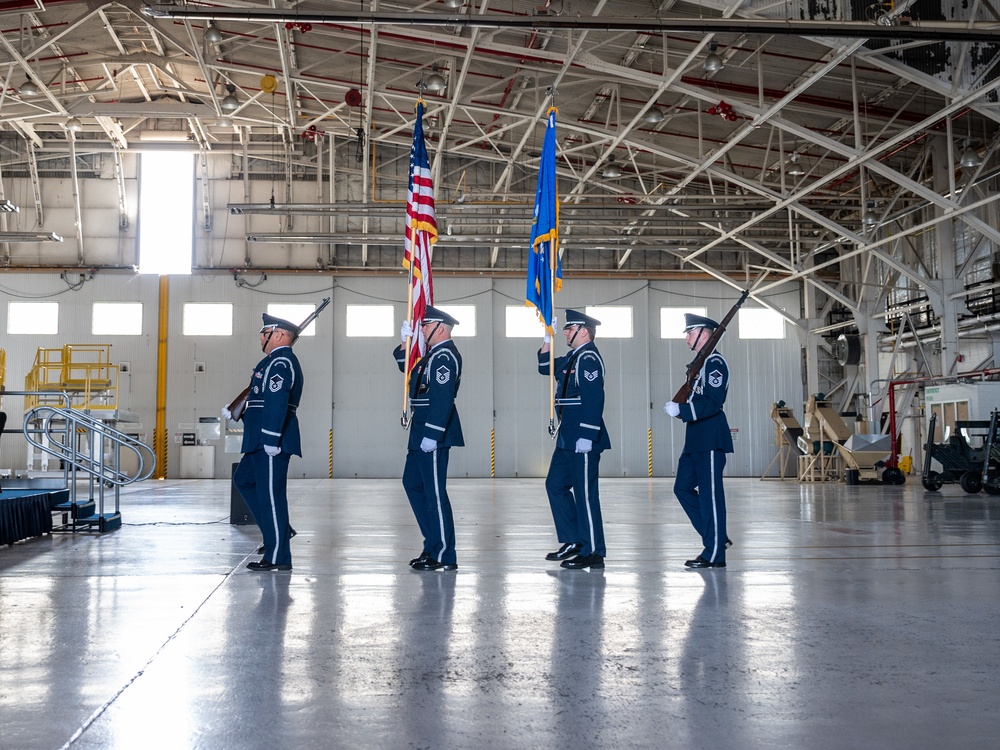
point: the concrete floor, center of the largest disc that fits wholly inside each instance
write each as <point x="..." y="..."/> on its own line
<point x="849" y="617"/>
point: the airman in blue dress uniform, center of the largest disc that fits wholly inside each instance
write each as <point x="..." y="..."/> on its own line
<point x="434" y="429"/>
<point x="270" y="439"/>
<point x="698" y="484"/>
<point x="572" y="481"/>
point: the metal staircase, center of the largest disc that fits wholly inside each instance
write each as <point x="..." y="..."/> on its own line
<point x="88" y="446"/>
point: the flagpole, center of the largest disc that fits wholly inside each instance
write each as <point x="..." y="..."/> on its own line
<point x="420" y="236"/>
<point x="552" y="346"/>
<point x="404" y="420"/>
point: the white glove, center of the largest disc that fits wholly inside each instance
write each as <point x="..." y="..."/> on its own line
<point x="555" y="323"/>
<point x="583" y="445"/>
<point x="428" y="445"/>
<point x="547" y="338"/>
<point x="226" y="413"/>
<point x="272" y="450"/>
<point x="671" y="409"/>
<point x="406" y="330"/>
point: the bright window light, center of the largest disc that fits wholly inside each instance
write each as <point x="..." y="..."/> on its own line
<point x="616" y="321"/>
<point x="761" y="323"/>
<point x="116" y="319"/>
<point x="33" y="317"/>
<point x="466" y="317"/>
<point x="208" y="319"/>
<point x="294" y="314"/>
<point x="370" y="321"/>
<point x="166" y="212"/>
<point x="672" y="320"/>
<point x="522" y="323"/>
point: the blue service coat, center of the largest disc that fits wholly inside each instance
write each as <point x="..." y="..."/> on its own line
<point x="434" y="385"/>
<point x="275" y="392"/>
<point x="707" y="426"/>
<point x="579" y="396"/>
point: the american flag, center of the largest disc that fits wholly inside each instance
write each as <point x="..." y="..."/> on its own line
<point x="421" y="234"/>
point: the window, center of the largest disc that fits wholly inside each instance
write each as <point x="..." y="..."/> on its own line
<point x="466" y="317"/>
<point x="521" y="322"/>
<point x="616" y="321"/>
<point x="761" y="323"/>
<point x="295" y="314"/>
<point x="370" y="320"/>
<point x="208" y="319"/>
<point x="33" y="317"/>
<point x="116" y="319"/>
<point x="166" y="212"/>
<point x="672" y="320"/>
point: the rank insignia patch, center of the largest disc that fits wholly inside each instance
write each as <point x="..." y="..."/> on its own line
<point x="591" y="376"/>
<point x="715" y="378"/>
<point x="443" y="375"/>
<point x="275" y="383"/>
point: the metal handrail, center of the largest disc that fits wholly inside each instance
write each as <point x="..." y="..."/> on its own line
<point x="65" y="448"/>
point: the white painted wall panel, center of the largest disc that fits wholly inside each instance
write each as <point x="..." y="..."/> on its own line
<point x="354" y="389"/>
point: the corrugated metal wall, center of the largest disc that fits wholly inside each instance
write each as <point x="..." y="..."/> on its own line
<point x="354" y="389"/>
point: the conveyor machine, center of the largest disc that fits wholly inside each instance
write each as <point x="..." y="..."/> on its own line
<point x="833" y="451"/>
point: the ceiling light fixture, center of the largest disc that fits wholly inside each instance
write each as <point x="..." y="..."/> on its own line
<point x="869" y="218"/>
<point x="713" y="62"/>
<point x="970" y="157"/>
<point x="653" y="115"/>
<point x="611" y="170"/>
<point x="453" y="4"/>
<point x="224" y="122"/>
<point x="74" y="125"/>
<point x="794" y="168"/>
<point x="212" y="34"/>
<point x="435" y="81"/>
<point x="30" y="237"/>
<point x="230" y="103"/>
<point x="28" y="88"/>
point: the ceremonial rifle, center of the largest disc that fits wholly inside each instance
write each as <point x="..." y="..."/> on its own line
<point x="684" y="392"/>
<point x="239" y="403"/>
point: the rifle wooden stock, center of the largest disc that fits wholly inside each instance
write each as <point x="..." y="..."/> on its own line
<point x="684" y="392"/>
<point x="238" y="404"/>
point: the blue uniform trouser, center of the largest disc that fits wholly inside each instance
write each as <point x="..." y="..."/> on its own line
<point x="575" y="500"/>
<point x="262" y="481"/>
<point x="698" y="486"/>
<point x="425" y="479"/>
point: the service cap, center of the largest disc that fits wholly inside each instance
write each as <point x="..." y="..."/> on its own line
<point x="577" y="318"/>
<point x="270" y="321"/>
<point x="434" y="315"/>
<point x="692" y="321"/>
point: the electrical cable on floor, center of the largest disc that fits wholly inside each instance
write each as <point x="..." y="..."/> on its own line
<point x="179" y="523"/>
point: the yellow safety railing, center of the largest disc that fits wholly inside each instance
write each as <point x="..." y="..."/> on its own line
<point x="84" y="371"/>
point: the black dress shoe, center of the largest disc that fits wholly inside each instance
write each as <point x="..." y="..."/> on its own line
<point x="701" y="562"/>
<point x="265" y="565"/>
<point x="291" y="532"/>
<point x="583" y="562"/>
<point x="424" y="557"/>
<point x="431" y="564"/>
<point x="567" y="550"/>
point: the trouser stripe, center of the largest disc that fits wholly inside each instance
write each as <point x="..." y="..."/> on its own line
<point x="715" y="508"/>
<point x="586" y="499"/>
<point x="274" y="509"/>
<point x="437" y="498"/>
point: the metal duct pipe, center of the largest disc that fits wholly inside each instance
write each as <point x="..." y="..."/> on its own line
<point x="924" y="31"/>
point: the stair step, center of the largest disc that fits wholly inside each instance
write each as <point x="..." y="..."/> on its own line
<point x="79" y="511"/>
<point x="105" y="522"/>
